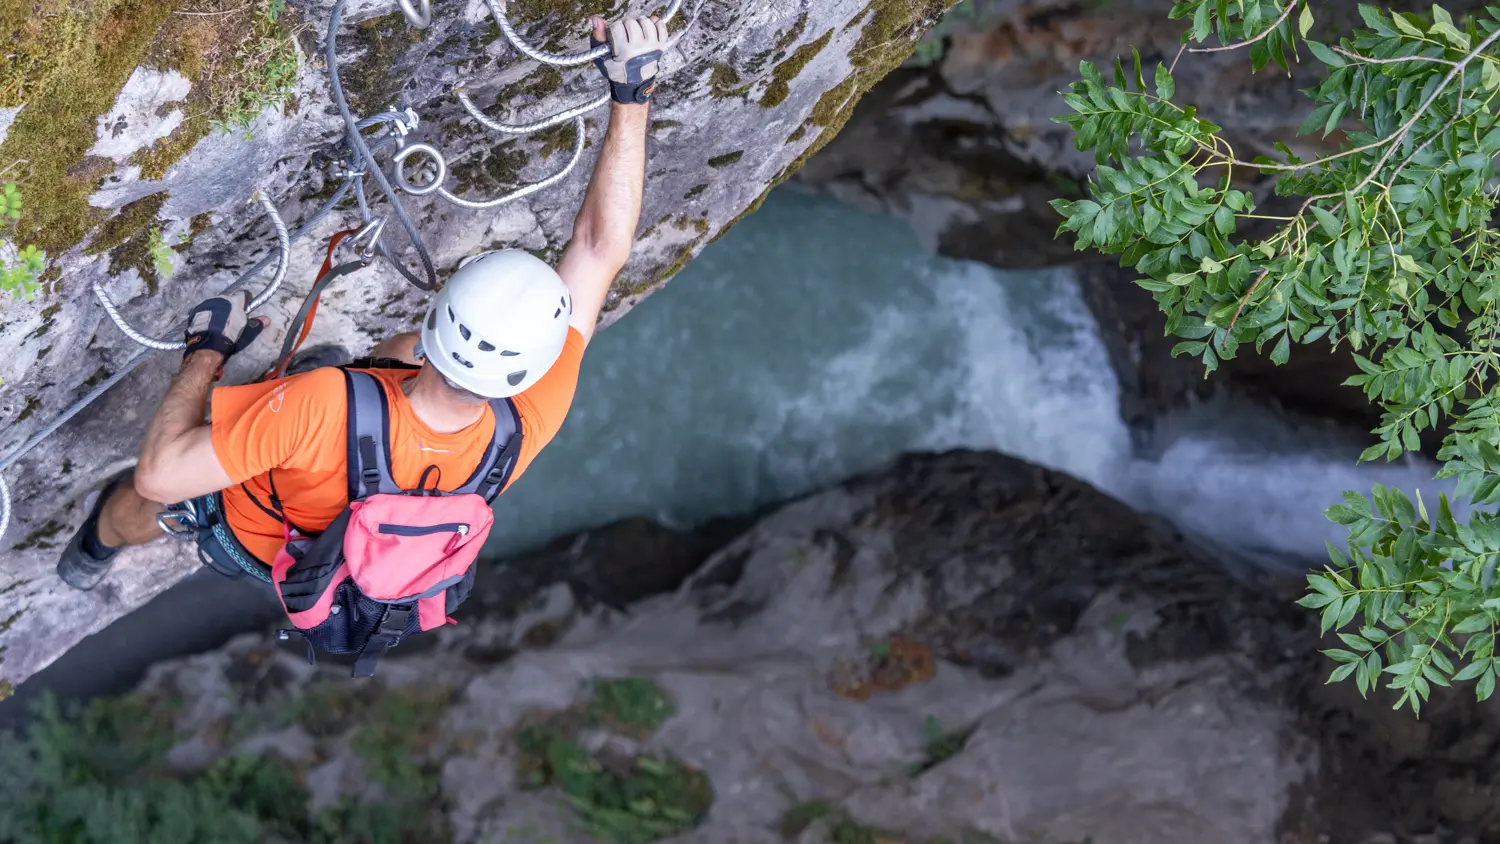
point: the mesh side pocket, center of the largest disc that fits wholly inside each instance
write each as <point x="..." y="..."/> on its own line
<point x="351" y="622"/>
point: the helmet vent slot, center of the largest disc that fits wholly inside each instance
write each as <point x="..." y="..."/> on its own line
<point x="557" y="313"/>
<point x="463" y="331"/>
<point x="509" y="354"/>
<point x="451" y="317"/>
<point x="462" y="361"/>
<point x="516" y="377"/>
<point x="432" y="320"/>
<point x="484" y="346"/>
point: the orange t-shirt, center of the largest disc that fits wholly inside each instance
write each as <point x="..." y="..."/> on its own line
<point x="298" y="426"/>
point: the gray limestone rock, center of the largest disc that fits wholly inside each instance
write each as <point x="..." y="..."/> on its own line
<point x="712" y="155"/>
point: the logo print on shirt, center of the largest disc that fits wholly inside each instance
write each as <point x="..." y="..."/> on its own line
<point x="422" y="447"/>
<point x="278" y="398"/>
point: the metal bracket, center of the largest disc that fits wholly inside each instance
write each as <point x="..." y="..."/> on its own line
<point x="417" y="19"/>
<point x="429" y="185"/>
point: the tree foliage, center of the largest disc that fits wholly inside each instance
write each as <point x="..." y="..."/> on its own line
<point x="1384" y="248"/>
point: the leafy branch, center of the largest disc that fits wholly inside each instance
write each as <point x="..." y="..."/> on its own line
<point x="1387" y="252"/>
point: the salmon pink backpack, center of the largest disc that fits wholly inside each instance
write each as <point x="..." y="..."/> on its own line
<point x="395" y="562"/>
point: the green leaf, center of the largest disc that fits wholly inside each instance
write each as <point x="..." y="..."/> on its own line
<point x="1305" y="20"/>
<point x="1151" y="218"/>
<point x="1342" y="672"/>
<point x="1473" y="624"/>
<point x="1314" y="601"/>
<point x="1224" y="220"/>
<point x="1331" y="615"/>
<point x="1322" y="584"/>
<point x="1451" y="33"/>
<point x="1486" y="685"/>
<point x="1331" y="225"/>
<point x="1403" y="668"/>
<point x="1472" y="670"/>
<point x="1201" y="23"/>
<point x="1317" y="117"/>
<point x="1351" y="606"/>
<point x="1140" y="81"/>
<point x="1165" y="87"/>
<point x="1406" y="26"/>
<point x="1283" y="350"/>
<point x="1324" y="54"/>
<point x="1405" y="194"/>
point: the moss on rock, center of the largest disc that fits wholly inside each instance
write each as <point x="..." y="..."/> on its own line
<point x="572" y="12"/>
<point x="726" y="159"/>
<point x="723" y="81"/>
<point x="790" y="37"/>
<point x="68" y="63"/>
<point x="371" y="82"/>
<point x="781" y="78"/>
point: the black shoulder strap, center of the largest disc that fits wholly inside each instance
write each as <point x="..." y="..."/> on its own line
<point x="499" y="459"/>
<point x="369" y="446"/>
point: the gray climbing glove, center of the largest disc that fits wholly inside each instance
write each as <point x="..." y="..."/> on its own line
<point x="220" y="325"/>
<point x="636" y="46"/>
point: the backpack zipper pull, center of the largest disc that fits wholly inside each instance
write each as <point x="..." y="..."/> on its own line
<point x="458" y="536"/>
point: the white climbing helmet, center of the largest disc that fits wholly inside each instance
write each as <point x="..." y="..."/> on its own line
<point x="499" y="323"/>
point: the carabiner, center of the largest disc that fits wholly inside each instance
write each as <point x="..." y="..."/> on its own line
<point x="367" y="239"/>
<point x="187" y="524"/>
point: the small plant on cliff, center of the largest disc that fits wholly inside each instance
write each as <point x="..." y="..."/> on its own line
<point x="628" y="799"/>
<point x="20" y="267"/>
<point x="161" y="253"/>
<point x="269" y="59"/>
<point x="1383" y="247"/>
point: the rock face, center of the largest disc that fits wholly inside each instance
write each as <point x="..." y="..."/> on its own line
<point x="960" y="648"/>
<point x="164" y="227"/>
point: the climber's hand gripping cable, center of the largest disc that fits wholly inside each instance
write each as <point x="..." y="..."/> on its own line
<point x="636" y="48"/>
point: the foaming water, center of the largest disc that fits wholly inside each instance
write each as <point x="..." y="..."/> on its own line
<point x="817" y="341"/>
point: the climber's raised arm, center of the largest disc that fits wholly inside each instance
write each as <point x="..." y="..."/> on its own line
<point x="605" y="229"/>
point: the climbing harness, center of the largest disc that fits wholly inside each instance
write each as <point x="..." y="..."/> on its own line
<point x="391" y="129"/>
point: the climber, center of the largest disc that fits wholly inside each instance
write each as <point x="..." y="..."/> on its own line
<point x="505" y="327"/>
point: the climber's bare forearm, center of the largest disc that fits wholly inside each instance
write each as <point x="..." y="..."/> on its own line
<point x="177" y="455"/>
<point x="604" y="232"/>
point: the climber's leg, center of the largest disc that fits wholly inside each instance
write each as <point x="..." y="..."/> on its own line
<point x="117" y="517"/>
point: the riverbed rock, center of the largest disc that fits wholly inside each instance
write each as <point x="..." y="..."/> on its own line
<point x="960" y="647"/>
<point x="161" y="216"/>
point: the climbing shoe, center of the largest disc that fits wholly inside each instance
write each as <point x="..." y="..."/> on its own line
<point x="318" y="357"/>
<point x="85" y="562"/>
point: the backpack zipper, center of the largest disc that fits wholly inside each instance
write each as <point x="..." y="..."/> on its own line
<point x="427" y="530"/>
